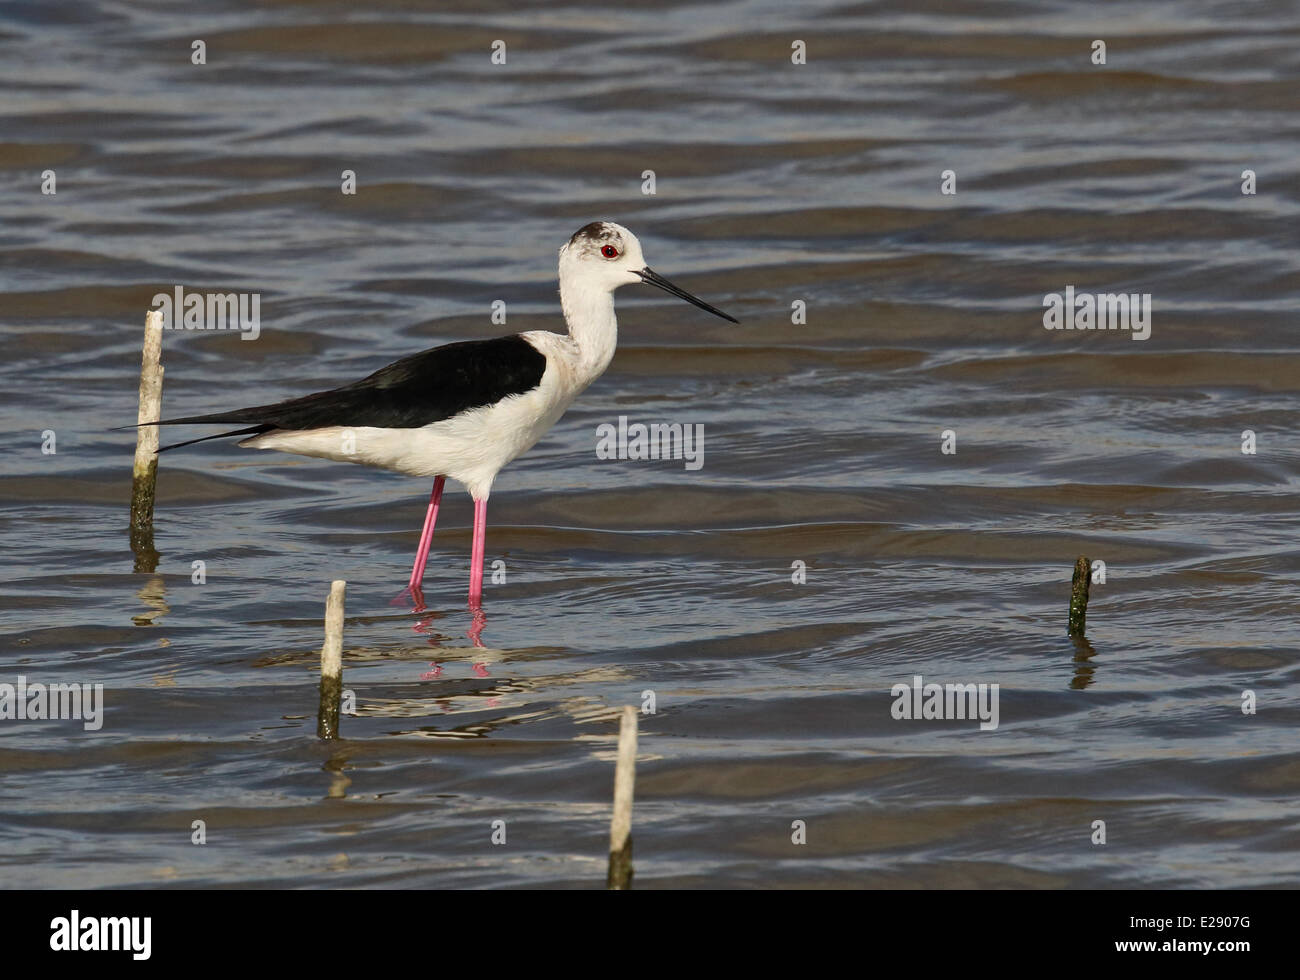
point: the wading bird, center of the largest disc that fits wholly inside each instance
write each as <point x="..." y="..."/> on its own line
<point x="465" y="410"/>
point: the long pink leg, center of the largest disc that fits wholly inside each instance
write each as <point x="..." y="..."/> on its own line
<point x="476" y="554"/>
<point x="426" y="536"/>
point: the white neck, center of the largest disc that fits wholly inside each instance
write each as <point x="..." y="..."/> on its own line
<point x="592" y="326"/>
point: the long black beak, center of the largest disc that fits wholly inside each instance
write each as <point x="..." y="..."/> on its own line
<point x="648" y="275"/>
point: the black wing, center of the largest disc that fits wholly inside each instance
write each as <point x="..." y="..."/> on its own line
<point x="417" y="390"/>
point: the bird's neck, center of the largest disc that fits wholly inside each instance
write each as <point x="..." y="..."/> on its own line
<point x="593" y="328"/>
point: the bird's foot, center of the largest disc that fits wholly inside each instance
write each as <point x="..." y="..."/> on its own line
<point x="411" y="595"/>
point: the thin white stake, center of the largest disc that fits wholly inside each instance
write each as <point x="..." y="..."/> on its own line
<point x="151" y="379"/>
<point x="145" y="470"/>
<point x="620" y="825"/>
<point x="331" y="663"/>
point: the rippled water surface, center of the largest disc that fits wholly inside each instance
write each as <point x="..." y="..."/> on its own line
<point x="775" y="183"/>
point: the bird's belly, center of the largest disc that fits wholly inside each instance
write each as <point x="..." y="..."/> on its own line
<point x="470" y="447"/>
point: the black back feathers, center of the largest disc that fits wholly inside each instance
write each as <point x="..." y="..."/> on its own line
<point x="415" y="391"/>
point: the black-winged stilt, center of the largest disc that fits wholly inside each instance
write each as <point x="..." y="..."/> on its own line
<point x="465" y="410"/>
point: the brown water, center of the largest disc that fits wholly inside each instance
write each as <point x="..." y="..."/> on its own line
<point x="775" y="183"/>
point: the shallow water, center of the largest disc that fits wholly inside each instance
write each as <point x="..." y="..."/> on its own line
<point x="774" y="183"/>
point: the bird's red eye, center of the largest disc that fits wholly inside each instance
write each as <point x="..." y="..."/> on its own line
<point x="609" y="251"/>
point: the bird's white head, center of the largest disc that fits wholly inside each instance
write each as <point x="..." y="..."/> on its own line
<point x="603" y="255"/>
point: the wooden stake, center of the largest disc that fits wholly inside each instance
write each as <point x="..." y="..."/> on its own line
<point x="145" y="472"/>
<point x="331" y="663"/>
<point x="1079" y="595"/>
<point x="620" y="826"/>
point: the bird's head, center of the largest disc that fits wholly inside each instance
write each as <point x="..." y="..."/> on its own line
<point x="603" y="256"/>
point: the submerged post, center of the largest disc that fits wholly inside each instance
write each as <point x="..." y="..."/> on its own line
<point x="1079" y="595"/>
<point x="331" y="663"/>
<point x="620" y="825"/>
<point x="145" y="471"/>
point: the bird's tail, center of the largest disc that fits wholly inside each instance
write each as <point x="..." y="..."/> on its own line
<point x="237" y="416"/>
<point x="251" y="430"/>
